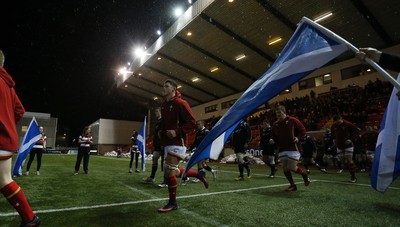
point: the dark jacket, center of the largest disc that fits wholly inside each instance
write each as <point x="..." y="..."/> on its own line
<point x="241" y="136"/>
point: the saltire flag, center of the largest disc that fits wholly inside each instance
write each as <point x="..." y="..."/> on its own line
<point x="310" y="47"/>
<point x="386" y="165"/>
<point x="141" y="142"/>
<point x="31" y="137"/>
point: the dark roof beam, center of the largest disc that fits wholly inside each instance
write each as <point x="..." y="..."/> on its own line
<point x="177" y="79"/>
<point x="222" y="61"/>
<point x="133" y="85"/>
<point x="154" y="69"/>
<point x="363" y="9"/>
<point x="236" y="36"/>
<point x="277" y="14"/>
<point x="197" y="71"/>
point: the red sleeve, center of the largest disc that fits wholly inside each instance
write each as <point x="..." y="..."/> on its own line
<point x="189" y="123"/>
<point x="354" y="133"/>
<point x="301" y="130"/>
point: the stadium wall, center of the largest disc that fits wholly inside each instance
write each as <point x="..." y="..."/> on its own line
<point x="109" y="133"/>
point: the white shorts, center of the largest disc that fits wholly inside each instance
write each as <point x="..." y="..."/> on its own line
<point x="346" y="152"/>
<point x="370" y="154"/>
<point x="178" y="151"/>
<point x="290" y="155"/>
<point x="6" y="154"/>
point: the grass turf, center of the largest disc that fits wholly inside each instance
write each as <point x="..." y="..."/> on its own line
<point x="110" y="196"/>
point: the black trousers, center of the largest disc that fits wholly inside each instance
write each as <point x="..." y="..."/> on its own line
<point x="136" y="154"/>
<point x="84" y="153"/>
<point x="32" y="153"/>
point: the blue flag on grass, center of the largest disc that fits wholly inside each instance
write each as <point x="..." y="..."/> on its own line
<point x="307" y="50"/>
<point x="386" y="165"/>
<point x="141" y="142"/>
<point x="31" y="137"/>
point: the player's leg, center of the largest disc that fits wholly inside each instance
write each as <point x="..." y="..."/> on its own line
<point x="13" y="193"/>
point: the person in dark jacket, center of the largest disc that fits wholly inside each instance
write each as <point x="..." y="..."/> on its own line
<point x="268" y="149"/>
<point x="37" y="150"/>
<point x="309" y="148"/>
<point x="134" y="153"/>
<point x="241" y="138"/>
<point x="157" y="153"/>
<point x="201" y="133"/>
<point x="85" y="141"/>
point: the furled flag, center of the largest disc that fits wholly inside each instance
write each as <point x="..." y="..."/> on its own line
<point x="141" y="142"/>
<point x="310" y="47"/>
<point x="31" y="137"/>
<point x="386" y="165"/>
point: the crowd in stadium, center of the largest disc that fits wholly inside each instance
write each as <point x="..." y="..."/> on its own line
<point x="363" y="106"/>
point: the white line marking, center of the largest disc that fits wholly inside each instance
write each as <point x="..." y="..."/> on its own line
<point x="179" y="197"/>
<point x="183" y="210"/>
<point x="140" y="201"/>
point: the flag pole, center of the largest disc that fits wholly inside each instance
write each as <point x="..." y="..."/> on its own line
<point x="332" y="35"/>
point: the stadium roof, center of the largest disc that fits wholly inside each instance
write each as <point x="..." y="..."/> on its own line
<point x="225" y="44"/>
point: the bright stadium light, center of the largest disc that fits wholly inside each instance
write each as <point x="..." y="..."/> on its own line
<point x="139" y="52"/>
<point x="124" y="71"/>
<point x="178" y="12"/>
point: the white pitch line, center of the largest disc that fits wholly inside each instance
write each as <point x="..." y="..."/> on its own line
<point x="179" y="197"/>
<point x="140" y="201"/>
<point x="201" y="218"/>
<point x="187" y="212"/>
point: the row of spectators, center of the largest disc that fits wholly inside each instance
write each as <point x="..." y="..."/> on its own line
<point x="362" y="106"/>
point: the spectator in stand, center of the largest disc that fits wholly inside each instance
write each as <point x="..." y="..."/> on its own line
<point x="201" y="133"/>
<point x="134" y="153"/>
<point x="344" y="134"/>
<point x="37" y="149"/>
<point x="177" y="120"/>
<point x="11" y="112"/>
<point x="308" y="150"/>
<point x="158" y="152"/>
<point x="241" y="138"/>
<point x="85" y="141"/>
<point x="287" y="132"/>
<point x="268" y="149"/>
<point x="369" y="139"/>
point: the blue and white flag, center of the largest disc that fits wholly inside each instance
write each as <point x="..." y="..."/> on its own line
<point x="308" y="49"/>
<point x="141" y="142"/>
<point x="386" y="165"/>
<point x="31" y="137"/>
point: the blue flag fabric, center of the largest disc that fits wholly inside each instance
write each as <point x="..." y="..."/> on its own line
<point x="141" y="142"/>
<point x="386" y="165"/>
<point x="31" y="137"/>
<point x="307" y="50"/>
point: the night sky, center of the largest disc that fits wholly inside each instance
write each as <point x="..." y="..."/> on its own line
<point x="64" y="55"/>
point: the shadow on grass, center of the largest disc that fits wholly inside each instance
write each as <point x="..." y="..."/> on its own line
<point x="388" y="208"/>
